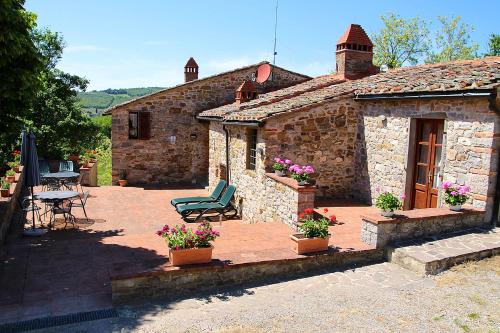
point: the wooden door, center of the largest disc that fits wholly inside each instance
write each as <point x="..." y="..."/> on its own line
<point x="427" y="178"/>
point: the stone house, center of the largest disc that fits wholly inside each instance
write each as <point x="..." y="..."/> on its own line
<point x="405" y="130"/>
<point x="157" y="139"/>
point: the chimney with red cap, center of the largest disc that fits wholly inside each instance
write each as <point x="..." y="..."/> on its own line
<point x="191" y="70"/>
<point x="354" y="54"/>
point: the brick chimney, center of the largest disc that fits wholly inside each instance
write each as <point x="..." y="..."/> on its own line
<point x="354" y="54"/>
<point x="191" y="70"/>
<point x="246" y="92"/>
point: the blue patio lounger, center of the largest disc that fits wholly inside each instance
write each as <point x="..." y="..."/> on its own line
<point x="221" y="207"/>
<point x="212" y="198"/>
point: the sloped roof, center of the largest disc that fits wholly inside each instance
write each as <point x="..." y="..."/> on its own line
<point x="191" y="63"/>
<point x="465" y="75"/>
<point x="355" y="34"/>
<point x="109" y="110"/>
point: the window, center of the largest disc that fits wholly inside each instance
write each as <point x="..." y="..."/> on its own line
<point x="139" y="125"/>
<point x="251" y="149"/>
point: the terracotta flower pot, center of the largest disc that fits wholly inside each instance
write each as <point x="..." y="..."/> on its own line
<point x="4" y="193"/>
<point x="122" y="182"/>
<point x="302" y="244"/>
<point x="16" y="169"/>
<point x="10" y="179"/>
<point x="190" y="256"/>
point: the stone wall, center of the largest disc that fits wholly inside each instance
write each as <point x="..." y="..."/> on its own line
<point x="379" y="231"/>
<point x="161" y="159"/>
<point x="9" y="206"/>
<point x="470" y="155"/>
<point x="203" y="278"/>
<point x="356" y="147"/>
<point x="322" y="136"/>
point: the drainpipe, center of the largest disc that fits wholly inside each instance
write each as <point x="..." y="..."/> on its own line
<point x="494" y="99"/>
<point x="227" y="153"/>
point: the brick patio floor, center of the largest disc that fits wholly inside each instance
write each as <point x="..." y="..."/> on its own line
<point x="68" y="271"/>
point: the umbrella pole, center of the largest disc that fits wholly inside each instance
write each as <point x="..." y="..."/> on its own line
<point x="33" y="206"/>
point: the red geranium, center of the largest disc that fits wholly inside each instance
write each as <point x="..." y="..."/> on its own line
<point x="333" y="218"/>
<point x="309" y="211"/>
<point x="301" y="216"/>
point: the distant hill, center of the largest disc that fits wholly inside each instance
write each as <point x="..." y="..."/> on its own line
<point x="95" y="102"/>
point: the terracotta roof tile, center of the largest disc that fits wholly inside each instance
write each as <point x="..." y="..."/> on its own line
<point x="447" y="77"/>
<point x="355" y="34"/>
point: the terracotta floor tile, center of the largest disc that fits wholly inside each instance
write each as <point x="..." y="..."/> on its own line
<point x="69" y="270"/>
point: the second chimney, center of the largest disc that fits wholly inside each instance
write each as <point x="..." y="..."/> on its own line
<point x="191" y="70"/>
<point x="246" y="92"/>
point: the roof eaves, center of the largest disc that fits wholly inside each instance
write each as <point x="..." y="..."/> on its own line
<point x="109" y="110"/>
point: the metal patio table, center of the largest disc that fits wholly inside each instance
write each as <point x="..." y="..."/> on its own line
<point x="61" y="177"/>
<point x="57" y="197"/>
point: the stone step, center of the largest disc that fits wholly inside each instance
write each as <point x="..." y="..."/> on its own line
<point x="436" y="254"/>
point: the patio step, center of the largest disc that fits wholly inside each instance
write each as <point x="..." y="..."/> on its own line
<point x="436" y="254"/>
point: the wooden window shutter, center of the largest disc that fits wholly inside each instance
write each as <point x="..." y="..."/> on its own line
<point x="145" y="125"/>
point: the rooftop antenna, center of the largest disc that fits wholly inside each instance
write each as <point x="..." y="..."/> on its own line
<point x="275" y="29"/>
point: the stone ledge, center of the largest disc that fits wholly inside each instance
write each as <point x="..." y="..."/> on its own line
<point x="290" y="182"/>
<point x="189" y="280"/>
<point x="417" y="215"/>
<point x="379" y="231"/>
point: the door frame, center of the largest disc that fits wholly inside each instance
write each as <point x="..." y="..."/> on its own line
<point x="412" y="155"/>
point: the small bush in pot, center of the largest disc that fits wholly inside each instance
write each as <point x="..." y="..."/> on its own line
<point x="122" y="177"/>
<point x="281" y="166"/>
<point x="388" y="203"/>
<point x="313" y="237"/>
<point x="187" y="246"/>
<point x="4" y="188"/>
<point x="455" y="196"/>
<point x="10" y="176"/>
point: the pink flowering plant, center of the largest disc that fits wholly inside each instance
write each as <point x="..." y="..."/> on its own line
<point x="180" y="237"/>
<point x="455" y="195"/>
<point x="301" y="173"/>
<point x="281" y="164"/>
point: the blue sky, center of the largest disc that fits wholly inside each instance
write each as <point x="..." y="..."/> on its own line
<point x="123" y="44"/>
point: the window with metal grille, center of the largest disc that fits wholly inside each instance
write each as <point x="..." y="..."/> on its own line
<point x="251" y="149"/>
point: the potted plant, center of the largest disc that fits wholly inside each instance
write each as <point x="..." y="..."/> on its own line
<point x="301" y="173"/>
<point x="187" y="246"/>
<point x="388" y="202"/>
<point x="92" y="155"/>
<point x="280" y="166"/>
<point x="10" y="176"/>
<point x="16" y="154"/>
<point x="314" y="236"/>
<point x="84" y="160"/>
<point x="4" y="188"/>
<point x="455" y="196"/>
<point x="122" y="178"/>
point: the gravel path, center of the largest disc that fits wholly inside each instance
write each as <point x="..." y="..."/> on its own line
<point x="377" y="298"/>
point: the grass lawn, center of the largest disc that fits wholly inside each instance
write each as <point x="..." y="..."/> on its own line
<point x="104" y="165"/>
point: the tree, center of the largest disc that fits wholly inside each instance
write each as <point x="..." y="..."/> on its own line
<point x="400" y="41"/>
<point x="57" y="120"/>
<point x="494" y="45"/>
<point x="20" y="65"/>
<point x="453" y="41"/>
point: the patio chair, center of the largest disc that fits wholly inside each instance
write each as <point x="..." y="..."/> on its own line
<point x="65" y="210"/>
<point x="27" y="207"/>
<point x="212" y="198"/>
<point x="66" y="166"/>
<point x="83" y="201"/>
<point x="43" y="166"/>
<point x="221" y="207"/>
<point x="75" y="183"/>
